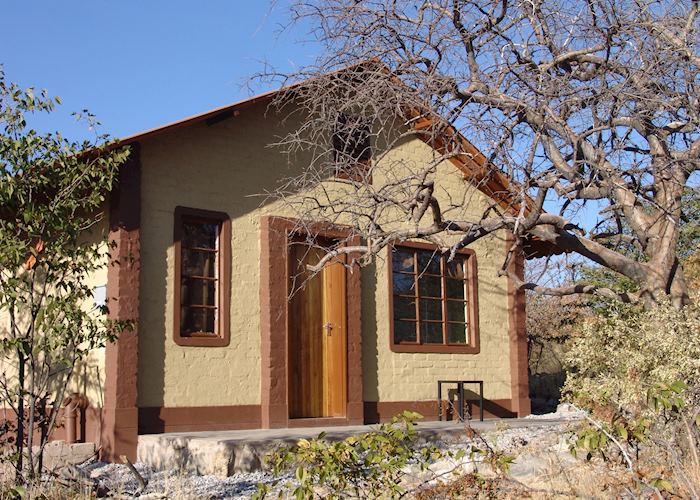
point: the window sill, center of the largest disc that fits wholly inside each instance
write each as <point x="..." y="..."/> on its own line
<point x="436" y="348"/>
<point x="202" y="341"/>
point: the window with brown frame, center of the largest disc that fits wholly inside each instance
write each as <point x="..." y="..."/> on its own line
<point x="433" y="300"/>
<point x="202" y="241"/>
<point x="352" y="150"/>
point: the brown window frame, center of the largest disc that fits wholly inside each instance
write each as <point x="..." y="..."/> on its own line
<point x="222" y="335"/>
<point x="472" y="314"/>
<point x="358" y="169"/>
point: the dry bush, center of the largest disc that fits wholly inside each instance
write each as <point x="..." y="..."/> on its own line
<point x="42" y="491"/>
<point x="692" y="268"/>
<point x="638" y="374"/>
<point x="625" y="351"/>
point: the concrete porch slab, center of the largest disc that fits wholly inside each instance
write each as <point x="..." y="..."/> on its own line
<point x="223" y="453"/>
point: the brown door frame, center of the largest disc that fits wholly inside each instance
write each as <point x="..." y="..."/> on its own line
<point x="274" y="320"/>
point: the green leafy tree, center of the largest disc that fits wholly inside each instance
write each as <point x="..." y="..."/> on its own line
<point x="52" y="191"/>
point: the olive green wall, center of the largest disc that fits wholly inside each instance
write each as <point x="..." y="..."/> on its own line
<point x="223" y="167"/>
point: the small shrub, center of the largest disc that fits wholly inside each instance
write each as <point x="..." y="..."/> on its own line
<point x="472" y="485"/>
<point x="364" y="466"/>
<point x="374" y="464"/>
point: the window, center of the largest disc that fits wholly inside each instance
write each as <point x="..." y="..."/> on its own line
<point x="352" y="151"/>
<point x="202" y="277"/>
<point x="433" y="302"/>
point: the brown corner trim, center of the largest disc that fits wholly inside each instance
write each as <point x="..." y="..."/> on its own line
<point x="120" y="414"/>
<point x="274" y="281"/>
<point x="223" y="334"/>
<point x="517" y="334"/>
<point x="156" y="420"/>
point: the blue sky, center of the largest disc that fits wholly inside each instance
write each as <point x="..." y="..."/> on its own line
<point x="138" y="64"/>
<point x="141" y="64"/>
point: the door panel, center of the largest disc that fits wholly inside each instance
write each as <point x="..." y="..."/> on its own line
<point x="317" y="341"/>
<point x="334" y="321"/>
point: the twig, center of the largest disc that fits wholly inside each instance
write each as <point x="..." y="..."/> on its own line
<point x="137" y="475"/>
<point x="612" y="438"/>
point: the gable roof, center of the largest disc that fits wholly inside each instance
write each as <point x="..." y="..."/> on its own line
<point x="472" y="162"/>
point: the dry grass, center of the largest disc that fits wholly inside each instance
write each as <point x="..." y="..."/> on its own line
<point x="53" y="491"/>
<point x="566" y="480"/>
<point x="474" y="486"/>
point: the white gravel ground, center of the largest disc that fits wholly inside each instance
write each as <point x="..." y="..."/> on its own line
<point x="565" y="411"/>
<point x="172" y="484"/>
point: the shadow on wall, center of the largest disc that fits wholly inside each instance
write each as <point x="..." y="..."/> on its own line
<point x="88" y="378"/>
<point x="88" y="381"/>
<point x="370" y="349"/>
<point x="84" y="391"/>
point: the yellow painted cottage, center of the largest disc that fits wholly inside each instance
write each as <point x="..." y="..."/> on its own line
<point x="219" y="344"/>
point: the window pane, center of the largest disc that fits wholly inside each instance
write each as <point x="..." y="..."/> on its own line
<point x="197" y="292"/>
<point x="456" y="333"/>
<point x="199" y="235"/>
<point x="404" y="284"/>
<point x="455" y="269"/>
<point x="428" y="262"/>
<point x="430" y="309"/>
<point x="440" y="287"/>
<point x="196" y="263"/>
<point x="351" y="140"/>
<point x="404" y="308"/>
<point x="455" y="289"/>
<point x="430" y="286"/>
<point x="431" y="333"/>
<point x="455" y="311"/>
<point x="404" y="331"/>
<point x="194" y="320"/>
<point x="402" y="259"/>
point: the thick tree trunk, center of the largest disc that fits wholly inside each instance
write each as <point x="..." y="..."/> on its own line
<point x="679" y="287"/>
<point x="674" y="288"/>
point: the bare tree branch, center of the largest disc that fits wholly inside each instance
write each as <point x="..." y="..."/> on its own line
<point x="538" y="104"/>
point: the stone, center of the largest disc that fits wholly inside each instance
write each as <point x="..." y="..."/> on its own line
<point x="246" y="459"/>
<point x="527" y="466"/>
<point x="59" y="454"/>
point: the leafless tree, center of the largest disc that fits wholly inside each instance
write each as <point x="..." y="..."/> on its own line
<point x="575" y="105"/>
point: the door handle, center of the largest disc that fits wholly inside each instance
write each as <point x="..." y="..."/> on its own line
<point x="328" y="327"/>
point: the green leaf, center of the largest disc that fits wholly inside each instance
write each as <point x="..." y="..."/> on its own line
<point x="678" y="386"/>
<point x="661" y="484"/>
<point x="621" y="431"/>
<point x="20" y="491"/>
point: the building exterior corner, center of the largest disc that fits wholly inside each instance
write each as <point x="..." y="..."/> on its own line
<point x="119" y="433"/>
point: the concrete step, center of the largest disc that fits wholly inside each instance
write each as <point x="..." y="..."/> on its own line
<point x="58" y="454"/>
<point x="223" y="453"/>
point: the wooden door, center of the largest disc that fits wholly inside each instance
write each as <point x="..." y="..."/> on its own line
<point x="317" y="338"/>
